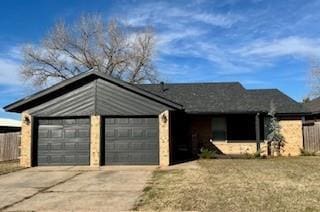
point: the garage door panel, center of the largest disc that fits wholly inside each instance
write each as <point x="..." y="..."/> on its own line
<point x="64" y="144"/>
<point x="69" y="121"/>
<point x="122" y="121"/>
<point x="131" y="141"/>
<point x="151" y="132"/>
<point x="110" y="133"/>
<point x="83" y="121"/>
<point x="43" y="133"/>
<point x="138" y="133"/>
<point x="65" y="160"/>
<point x="152" y="121"/>
<point x="54" y="151"/>
<point x="131" y="146"/>
<point x="110" y="121"/>
<point x="130" y="158"/>
<point x="70" y="133"/>
<point x="132" y="133"/>
<point x="83" y="133"/>
<point x="72" y="143"/>
<point x="56" y="133"/>
<point x="55" y="122"/>
<point x="130" y="121"/>
<point x="123" y="132"/>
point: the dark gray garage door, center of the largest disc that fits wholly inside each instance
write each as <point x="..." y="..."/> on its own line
<point x="131" y="141"/>
<point x="63" y="141"/>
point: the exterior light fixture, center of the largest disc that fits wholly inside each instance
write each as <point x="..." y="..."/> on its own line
<point x="26" y="120"/>
<point x="164" y="118"/>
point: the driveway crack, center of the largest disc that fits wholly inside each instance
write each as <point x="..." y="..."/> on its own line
<point x="42" y="190"/>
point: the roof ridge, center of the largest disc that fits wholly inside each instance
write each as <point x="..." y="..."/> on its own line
<point x="192" y="83"/>
<point x="315" y="99"/>
<point x="263" y="89"/>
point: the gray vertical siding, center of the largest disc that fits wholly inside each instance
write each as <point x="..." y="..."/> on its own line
<point x="115" y="100"/>
<point x="98" y="97"/>
<point x="79" y="102"/>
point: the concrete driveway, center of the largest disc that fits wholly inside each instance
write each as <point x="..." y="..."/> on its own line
<point x="73" y="188"/>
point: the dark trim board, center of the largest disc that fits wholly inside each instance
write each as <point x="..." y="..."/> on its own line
<point x="102" y="141"/>
<point x="130" y="116"/>
<point x="34" y="141"/>
<point x="59" y="117"/>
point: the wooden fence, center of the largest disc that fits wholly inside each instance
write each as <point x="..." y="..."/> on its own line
<point x="311" y="137"/>
<point x="9" y="146"/>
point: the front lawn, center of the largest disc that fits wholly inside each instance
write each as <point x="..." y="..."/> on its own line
<point x="9" y="166"/>
<point x="281" y="184"/>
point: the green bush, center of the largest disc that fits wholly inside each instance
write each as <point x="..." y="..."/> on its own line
<point x="304" y="152"/>
<point x="207" y="154"/>
<point x="256" y="155"/>
<point x="247" y="155"/>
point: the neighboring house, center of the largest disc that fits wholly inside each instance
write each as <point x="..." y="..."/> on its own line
<point x="9" y="125"/>
<point x="314" y="107"/>
<point x="93" y="119"/>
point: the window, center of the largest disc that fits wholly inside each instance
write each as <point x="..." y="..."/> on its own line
<point x="241" y="127"/>
<point x="236" y="127"/>
<point x="219" y="129"/>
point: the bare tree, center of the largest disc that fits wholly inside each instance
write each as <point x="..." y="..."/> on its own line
<point x="314" y="78"/>
<point x="112" y="48"/>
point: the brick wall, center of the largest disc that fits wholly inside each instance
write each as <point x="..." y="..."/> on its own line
<point x="240" y="147"/>
<point x="292" y="132"/>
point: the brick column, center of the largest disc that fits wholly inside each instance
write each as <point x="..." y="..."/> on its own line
<point x="292" y="133"/>
<point x="164" y="138"/>
<point x="95" y="143"/>
<point x="26" y="140"/>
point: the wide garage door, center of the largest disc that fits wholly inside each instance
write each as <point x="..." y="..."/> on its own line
<point x="63" y="141"/>
<point x="131" y="141"/>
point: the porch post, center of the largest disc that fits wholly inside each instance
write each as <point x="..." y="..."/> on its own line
<point x="258" y="131"/>
<point x="303" y="119"/>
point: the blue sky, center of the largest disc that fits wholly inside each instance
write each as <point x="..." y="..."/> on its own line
<point x="262" y="44"/>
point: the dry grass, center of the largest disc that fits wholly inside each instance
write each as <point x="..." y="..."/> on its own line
<point x="9" y="166"/>
<point x="282" y="184"/>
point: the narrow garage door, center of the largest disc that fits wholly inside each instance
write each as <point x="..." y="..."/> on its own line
<point x="131" y="141"/>
<point x="63" y="141"/>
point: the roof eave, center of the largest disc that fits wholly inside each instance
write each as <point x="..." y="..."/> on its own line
<point x="224" y="112"/>
<point x="13" y="106"/>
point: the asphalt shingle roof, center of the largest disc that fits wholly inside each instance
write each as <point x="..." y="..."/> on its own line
<point x="313" y="105"/>
<point x="224" y="98"/>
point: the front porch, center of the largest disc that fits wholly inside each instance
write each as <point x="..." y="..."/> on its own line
<point x="228" y="134"/>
